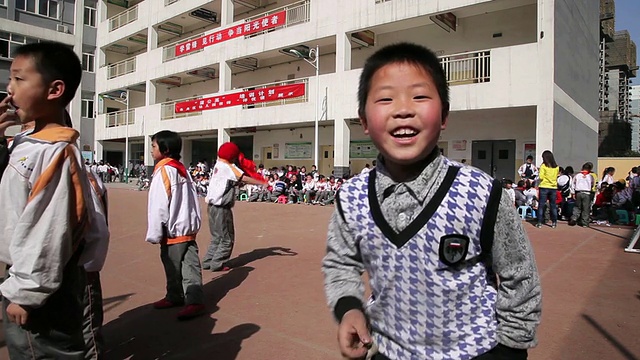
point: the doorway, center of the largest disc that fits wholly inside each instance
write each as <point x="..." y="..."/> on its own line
<point x="326" y="160"/>
<point x="267" y="156"/>
<point x="495" y="157"/>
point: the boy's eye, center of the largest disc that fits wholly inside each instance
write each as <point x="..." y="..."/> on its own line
<point x="420" y="97"/>
<point x="383" y="100"/>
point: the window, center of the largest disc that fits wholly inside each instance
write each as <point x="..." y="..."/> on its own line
<point x="3" y="2"/>
<point x="10" y="42"/>
<point x="88" y="61"/>
<point x="87" y="108"/>
<point x="89" y="16"/>
<point x="48" y="8"/>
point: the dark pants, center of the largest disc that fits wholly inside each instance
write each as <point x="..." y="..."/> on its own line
<point x="184" y="274"/>
<point x="549" y="194"/>
<point x="582" y="209"/>
<point x="499" y="352"/>
<point x="54" y="330"/>
<point x="222" y="237"/>
<point x="93" y="318"/>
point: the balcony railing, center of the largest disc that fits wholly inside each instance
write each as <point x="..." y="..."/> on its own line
<point x="169" y="51"/>
<point x="168" y="109"/>
<point x="467" y="68"/>
<point x="299" y="99"/>
<point x="121" y="68"/>
<point x="119" y="118"/>
<point x="298" y="12"/>
<point x="124" y="18"/>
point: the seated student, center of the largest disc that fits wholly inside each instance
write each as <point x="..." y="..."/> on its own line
<point x="294" y="189"/>
<point x="521" y="198"/>
<point x="603" y="210"/>
<point x="322" y="188"/>
<point x="308" y="189"/>
<point x="622" y="197"/>
<point x="279" y="187"/>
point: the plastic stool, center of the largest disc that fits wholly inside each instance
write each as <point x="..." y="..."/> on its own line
<point x="523" y="211"/>
<point x="637" y="219"/>
<point x="623" y="216"/>
<point x="244" y="197"/>
<point x="282" y="199"/>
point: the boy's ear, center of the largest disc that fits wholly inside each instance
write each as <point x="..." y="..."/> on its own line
<point x="56" y="90"/>
<point x="445" y="115"/>
<point x="363" y="122"/>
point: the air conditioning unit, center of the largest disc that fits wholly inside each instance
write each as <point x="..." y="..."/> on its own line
<point x="62" y="28"/>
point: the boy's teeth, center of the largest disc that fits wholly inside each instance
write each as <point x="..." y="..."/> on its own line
<point x="404" y="132"/>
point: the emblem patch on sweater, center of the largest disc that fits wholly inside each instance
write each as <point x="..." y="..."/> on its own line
<point x="453" y="248"/>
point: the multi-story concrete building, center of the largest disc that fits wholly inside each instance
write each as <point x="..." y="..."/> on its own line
<point x="523" y="77"/>
<point x="66" y="21"/>
<point x="634" y="109"/>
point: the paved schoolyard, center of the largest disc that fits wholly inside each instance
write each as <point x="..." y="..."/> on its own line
<point x="271" y="305"/>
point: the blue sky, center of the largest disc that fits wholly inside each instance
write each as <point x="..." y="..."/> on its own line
<point x="627" y="12"/>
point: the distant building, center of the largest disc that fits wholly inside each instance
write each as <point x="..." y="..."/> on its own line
<point x="67" y="21"/>
<point x="618" y="65"/>
<point x="634" y="109"/>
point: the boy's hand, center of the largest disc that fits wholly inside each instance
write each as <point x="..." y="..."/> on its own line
<point x="17" y="314"/>
<point x="353" y="335"/>
<point x="6" y="119"/>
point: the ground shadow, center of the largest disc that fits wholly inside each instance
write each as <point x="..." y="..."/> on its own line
<point x="114" y="301"/>
<point x="612" y="340"/>
<point x="257" y="254"/>
<point x="147" y="333"/>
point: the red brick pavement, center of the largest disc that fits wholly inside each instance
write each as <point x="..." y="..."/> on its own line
<point x="273" y="307"/>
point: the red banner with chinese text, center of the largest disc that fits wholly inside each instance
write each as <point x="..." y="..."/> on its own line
<point x="272" y="93"/>
<point x="257" y="25"/>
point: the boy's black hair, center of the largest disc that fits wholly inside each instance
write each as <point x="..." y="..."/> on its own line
<point x="169" y="143"/>
<point x="55" y="61"/>
<point x="403" y="53"/>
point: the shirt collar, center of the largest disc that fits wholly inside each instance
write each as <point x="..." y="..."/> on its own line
<point x="418" y="187"/>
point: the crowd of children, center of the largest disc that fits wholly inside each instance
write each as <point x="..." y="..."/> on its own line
<point x="580" y="198"/>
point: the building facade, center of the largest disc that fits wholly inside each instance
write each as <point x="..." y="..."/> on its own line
<point x="66" y="21"/>
<point x="634" y="109"/>
<point x="268" y="73"/>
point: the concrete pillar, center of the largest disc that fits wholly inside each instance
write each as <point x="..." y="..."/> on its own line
<point x="226" y="16"/>
<point x="152" y="38"/>
<point x="343" y="53"/>
<point x="223" y="137"/>
<point x="150" y="95"/>
<point x="148" y="160"/>
<point x="341" y="140"/>
<point x="187" y="152"/>
<point x="225" y="77"/>
<point x="545" y="108"/>
<point x="97" y="150"/>
<point x="102" y="10"/>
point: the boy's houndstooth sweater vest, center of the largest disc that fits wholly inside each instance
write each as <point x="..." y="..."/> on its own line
<point x="421" y="308"/>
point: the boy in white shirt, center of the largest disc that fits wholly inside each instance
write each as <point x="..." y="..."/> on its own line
<point x="220" y="197"/>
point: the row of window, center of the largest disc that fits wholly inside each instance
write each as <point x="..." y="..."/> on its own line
<point x="10" y="42"/>
<point x="51" y="9"/>
<point x="86" y="108"/>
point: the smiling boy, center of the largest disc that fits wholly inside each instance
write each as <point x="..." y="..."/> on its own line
<point x="433" y="235"/>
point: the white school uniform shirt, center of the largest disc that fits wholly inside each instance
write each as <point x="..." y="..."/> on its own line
<point x="582" y="182"/>
<point x="223" y="179"/>
<point x="309" y="186"/>
<point x="174" y="210"/>
<point x="95" y="253"/>
<point x="322" y="186"/>
<point x="44" y="213"/>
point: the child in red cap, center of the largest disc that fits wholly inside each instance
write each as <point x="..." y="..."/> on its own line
<point x="221" y="197"/>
